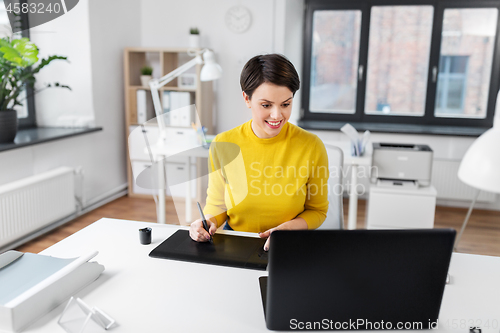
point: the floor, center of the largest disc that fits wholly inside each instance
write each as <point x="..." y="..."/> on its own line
<point x="482" y="235"/>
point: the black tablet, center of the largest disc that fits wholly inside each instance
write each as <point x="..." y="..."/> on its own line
<point x="226" y="250"/>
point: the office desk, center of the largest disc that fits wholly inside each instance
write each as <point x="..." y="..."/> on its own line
<point x="353" y="162"/>
<point x="349" y="161"/>
<point x="160" y="154"/>
<point x="144" y="294"/>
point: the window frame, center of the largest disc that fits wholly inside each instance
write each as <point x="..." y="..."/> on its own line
<point x="428" y="118"/>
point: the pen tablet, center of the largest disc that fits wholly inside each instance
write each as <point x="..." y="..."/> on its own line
<point x="226" y="250"/>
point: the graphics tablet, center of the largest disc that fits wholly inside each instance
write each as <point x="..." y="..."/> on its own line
<point x="226" y="250"/>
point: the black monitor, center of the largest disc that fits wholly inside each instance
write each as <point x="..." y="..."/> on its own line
<point x="356" y="279"/>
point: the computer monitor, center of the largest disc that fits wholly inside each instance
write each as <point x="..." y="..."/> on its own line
<point x="356" y="279"/>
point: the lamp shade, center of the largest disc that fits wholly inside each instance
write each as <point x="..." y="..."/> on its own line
<point x="211" y="70"/>
<point x="480" y="167"/>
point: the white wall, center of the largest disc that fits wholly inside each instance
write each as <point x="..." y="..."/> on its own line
<point x="69" y="36"/>
<point x="167" y="23"/>
<point x="95" y="36"/>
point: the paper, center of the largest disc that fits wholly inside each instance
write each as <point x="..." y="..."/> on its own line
<point x="358" y="144"/>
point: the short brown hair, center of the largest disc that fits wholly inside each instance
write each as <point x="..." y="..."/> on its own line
<point x="273" y="68"/>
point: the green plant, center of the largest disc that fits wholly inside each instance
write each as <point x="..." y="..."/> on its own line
<point x="17" y="69"/>
<point x="146" y="70"/>
<point x="194" y="31"/>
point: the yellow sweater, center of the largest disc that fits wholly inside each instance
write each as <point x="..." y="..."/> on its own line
<point x="257" y="184"/>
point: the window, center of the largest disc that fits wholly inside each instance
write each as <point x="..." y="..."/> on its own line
<point x="451" y="85"/>
<point x="465" y="64"/>
<point x="26" y="112"/>
<point x="335" y="41"/>
<point x="423" y="62"/>
<point x="398" y="58"/>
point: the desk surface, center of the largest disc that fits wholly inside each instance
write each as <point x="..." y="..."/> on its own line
<point x="144" y="294"/>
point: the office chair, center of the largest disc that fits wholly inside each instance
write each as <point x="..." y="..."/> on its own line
<point x="335" y="216"/>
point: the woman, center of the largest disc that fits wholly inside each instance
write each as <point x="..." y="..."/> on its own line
<point x="266" y="174"/>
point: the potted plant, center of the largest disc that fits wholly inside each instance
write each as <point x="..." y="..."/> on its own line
<point x="17" y="69"/>
<point x="194" y="38"/>
<point x="146" y="72"/>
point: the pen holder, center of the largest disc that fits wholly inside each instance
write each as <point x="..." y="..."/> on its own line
<point x="145" y="236"/>
<point x="78" y="317"/>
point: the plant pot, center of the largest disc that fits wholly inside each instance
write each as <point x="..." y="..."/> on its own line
<point x="145" y="80"/>
<point x="8" y="125"/>
<point x="194" y="41"/>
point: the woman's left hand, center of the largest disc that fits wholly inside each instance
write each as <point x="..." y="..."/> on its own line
<point x="295" y="224"/>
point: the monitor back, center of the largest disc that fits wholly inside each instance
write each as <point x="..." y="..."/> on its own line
<point x="325" y="279"/>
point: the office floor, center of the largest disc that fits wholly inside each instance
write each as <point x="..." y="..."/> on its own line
<point x="482" y="235"/>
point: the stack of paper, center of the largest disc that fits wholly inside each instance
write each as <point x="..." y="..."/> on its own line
<point x="358" y="144"/>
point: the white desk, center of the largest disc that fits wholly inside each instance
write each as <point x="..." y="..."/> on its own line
<point x="155" y="295"/>
<point x="162" y="153"/>
<point x="353" y="162"/>
<point x="349" y="160"/>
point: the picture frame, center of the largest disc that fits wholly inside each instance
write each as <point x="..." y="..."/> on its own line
<point x="187" y="80"/>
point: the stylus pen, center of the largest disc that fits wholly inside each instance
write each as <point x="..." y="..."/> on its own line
<point x="204" y="220"/>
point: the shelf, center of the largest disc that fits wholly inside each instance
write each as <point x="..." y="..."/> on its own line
<point x="164" y="88"/>
<point x="160" y="50"/>
<point x="163" y="61"/>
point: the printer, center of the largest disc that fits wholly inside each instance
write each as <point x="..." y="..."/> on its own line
<point x="404" y="162"/>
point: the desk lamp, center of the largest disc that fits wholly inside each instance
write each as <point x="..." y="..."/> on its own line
<point x="480" y="167"/>
<point x="210" y="71"/>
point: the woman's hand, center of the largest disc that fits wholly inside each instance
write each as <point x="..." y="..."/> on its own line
<point x="295" y="224"/>
<point x="198" y="233"/>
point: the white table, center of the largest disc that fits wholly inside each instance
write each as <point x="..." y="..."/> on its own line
<point x="349" y="160"/>
<point x="160" y="154"/>
<point x="353" y="162"/>
<point x="144" y="294"/>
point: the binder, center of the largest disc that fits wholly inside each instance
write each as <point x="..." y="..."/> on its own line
<point x="141" y="106"/>
<point x="178" y="100"/>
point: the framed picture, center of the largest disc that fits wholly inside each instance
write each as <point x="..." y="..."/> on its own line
<point x="187" y="80"/>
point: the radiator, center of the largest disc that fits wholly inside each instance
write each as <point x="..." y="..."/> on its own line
<point x="449" y="186"/>
<point x="32" y="203"/>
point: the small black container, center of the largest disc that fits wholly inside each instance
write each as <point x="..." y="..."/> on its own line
<point x="145" y="236"/>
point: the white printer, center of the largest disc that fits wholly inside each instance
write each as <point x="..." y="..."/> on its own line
<point x="401" y="195"/>
<point x="402" y="162"/>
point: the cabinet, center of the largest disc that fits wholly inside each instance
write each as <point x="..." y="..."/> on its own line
<point x="163" y="61"/>
<point x="400" y="205"/>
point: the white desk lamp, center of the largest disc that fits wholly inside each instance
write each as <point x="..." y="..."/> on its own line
<point x="480" y="167"/>
<point x="210" y="71"/>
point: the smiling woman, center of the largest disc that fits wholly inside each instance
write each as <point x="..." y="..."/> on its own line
<point x="241" y="190"/>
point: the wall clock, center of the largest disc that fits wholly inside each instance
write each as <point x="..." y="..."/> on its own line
<point x="238" y="19"/>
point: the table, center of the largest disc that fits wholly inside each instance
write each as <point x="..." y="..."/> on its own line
<point x="161" y="153"/>
<point x="353" y="162"/>
<point x="144" y="294"/>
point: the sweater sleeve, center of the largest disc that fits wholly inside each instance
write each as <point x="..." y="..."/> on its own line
<point x="216" y="205"/>
<point x="316" y="204"/>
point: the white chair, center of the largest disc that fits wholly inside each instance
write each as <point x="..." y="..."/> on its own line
<point x="335" y="216"/>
